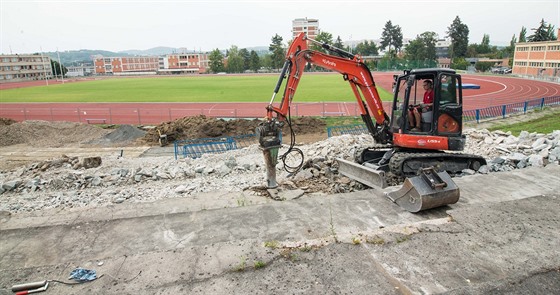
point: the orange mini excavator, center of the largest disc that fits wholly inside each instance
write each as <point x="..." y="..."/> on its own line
<point x="426" y="156"/>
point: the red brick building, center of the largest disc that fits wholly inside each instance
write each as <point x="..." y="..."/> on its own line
<point x="305" y="25"/>
<point x="151" y="65"/>
<point x="537" y="58"/>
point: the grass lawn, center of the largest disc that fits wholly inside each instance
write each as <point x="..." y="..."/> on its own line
<point x="545" y="124"/>
<point x="201" y="88"/>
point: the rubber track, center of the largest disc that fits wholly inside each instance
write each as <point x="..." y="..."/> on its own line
<point x="399" y="158"/>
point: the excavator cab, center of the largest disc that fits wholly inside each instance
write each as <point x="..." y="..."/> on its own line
<point x="443" y="118"/>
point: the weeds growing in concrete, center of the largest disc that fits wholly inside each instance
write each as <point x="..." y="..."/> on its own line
<point x="259" y="264"/>
<point x="242" y="264"/>
<point x="271" y="244"/>
<point x="376" y="240"/>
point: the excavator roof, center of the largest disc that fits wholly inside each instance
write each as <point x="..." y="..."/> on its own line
<point x="431" y="71"/>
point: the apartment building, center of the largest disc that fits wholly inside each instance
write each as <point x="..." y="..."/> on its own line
<point x="125" y="65"/>
<point x="184" y="63"/>
<point x="305" y="25"/>
<point x="537" y="58"/>
<point x="152" y="65"/>
<point x="24" y="67"/>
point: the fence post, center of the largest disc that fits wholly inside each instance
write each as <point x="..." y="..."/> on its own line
<point x="525" y="104"/>
<point x="477" y="115"/>
<point x="542" y="103"/>
<point x="503" y="111"/>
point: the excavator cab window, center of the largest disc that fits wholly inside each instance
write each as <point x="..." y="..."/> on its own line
<point x="409" y="94"/>
<point x="400" y="90"/>
<point x="450" y="108"/>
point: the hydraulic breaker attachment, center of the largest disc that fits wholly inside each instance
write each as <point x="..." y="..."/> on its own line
<point x="368" y="176"/>
<point x="270" y="141"/>
<point x="430" y="189"/>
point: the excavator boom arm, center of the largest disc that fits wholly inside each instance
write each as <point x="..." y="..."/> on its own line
<point x="352" y="69"/>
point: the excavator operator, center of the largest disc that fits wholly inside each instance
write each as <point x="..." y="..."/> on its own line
<point x="426" y="106"/>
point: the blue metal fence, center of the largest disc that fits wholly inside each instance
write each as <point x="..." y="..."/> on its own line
<point x="196" y="147"/>
<point x="509" y="109"/>
<point x="469" y="115"/>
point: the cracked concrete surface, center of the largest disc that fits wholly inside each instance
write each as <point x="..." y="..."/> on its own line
<point x="501" y="237"/>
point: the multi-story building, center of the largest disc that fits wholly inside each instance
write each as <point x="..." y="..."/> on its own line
<point x="146" y="65"/>
<point x="442" y="48"/>
<point x="183" y="63"/>
<point x="80" y="70"/>
<point x="125" y="65"/>
<point x="305" y="25"/>
<point x="537" y="58"/>
<point x="24" y="67"/>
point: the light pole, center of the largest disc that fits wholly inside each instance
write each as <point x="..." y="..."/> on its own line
<point x="60" y="66"/>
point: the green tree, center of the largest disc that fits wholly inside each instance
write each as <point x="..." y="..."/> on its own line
<point x="484" y="46"/>
<point x="423" y="49"/>
<point x="322" y="37"/>
<point x="255" y="61"/>
<point x="338" y="43"/>
<point x="483" y="66"/>
<point x="234" y="61"/>
<point x="543" y="33"/>
<point x="392" y="37"/>
<point x="366" y="48"/>
<point x="266" y="61"/>
<point x="216" y="61"/>
<point x="459" y="34"/>
<point x="244" y="53"/>
<point x="522" y="35"/>
<point x="460" y="63"/>
<point x="278" y="52"/>
<point x="56" y="68"/>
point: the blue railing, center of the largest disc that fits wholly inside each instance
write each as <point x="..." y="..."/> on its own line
<point x="196" y="147"/>
<point x="509" y="109"/>
<point x="469" y="115"/>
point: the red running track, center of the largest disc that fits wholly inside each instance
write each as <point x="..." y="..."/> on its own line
<point x="495" y="90"/>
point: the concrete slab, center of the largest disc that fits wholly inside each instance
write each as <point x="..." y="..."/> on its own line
<point x="501" y="235"/>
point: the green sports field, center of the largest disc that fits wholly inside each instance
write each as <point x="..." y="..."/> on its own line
<point x="201" y="88"/>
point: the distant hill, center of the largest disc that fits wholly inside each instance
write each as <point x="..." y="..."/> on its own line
<point x="161" y="50"/>
<point x="82" y="56"/>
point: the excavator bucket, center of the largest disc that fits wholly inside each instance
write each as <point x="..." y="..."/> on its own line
<point x="363" y="174"/>
<point x="430" y="189"/>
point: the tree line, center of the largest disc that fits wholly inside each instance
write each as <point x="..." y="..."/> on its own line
<point x="419" y="52"/>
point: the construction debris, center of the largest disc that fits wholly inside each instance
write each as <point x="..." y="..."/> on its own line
<point x="60" y="183"/>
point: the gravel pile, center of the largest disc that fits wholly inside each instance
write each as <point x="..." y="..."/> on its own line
<point x="63" y="183"/>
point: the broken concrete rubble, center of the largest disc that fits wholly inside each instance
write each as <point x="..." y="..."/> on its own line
<point x="148" y="179"/>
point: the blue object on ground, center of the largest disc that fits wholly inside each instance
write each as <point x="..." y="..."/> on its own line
<point x="83" y="275"/>
<point x="470" y="86"/>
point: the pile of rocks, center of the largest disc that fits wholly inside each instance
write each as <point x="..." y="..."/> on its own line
<point x="505" y="152"/>
<point x="118" y="179"/>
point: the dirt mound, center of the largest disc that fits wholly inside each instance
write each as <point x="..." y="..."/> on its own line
<point x="48" y="134"/>
<point x="124" y="134"/>
<point x="7" y="121"/>
<point x="202" y="127"/>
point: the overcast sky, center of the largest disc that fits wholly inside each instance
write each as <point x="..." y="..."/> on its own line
<point x="115" y="25"/>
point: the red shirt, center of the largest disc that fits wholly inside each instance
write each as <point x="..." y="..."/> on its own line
<point x="429" y="96"/>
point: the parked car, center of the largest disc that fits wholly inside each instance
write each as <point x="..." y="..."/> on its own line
<point x="501" y="70"/>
